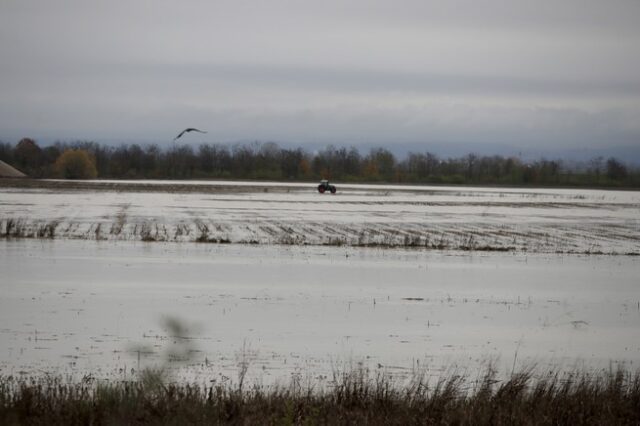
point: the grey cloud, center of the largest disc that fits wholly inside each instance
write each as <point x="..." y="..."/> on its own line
<point x="520" y="72"/>
<point x="524" y="127"/>
<point x="367" y="80"/>
<point x="192" y="79"/>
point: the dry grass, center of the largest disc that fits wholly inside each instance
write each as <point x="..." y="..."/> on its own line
<point x="357" y="397"/>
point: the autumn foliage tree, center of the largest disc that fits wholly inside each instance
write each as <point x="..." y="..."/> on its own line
<point x="75" y="164"/>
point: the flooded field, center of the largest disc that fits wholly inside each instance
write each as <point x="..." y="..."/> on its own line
<point x="519" y="220"/>
<point x="111" y="308"/>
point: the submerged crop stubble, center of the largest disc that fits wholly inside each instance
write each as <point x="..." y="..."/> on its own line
<point x="442" y="218"/>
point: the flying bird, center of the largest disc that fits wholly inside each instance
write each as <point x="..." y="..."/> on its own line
<point x="190" y="129"/>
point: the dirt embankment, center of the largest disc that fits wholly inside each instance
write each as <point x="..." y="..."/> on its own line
<point x="147" y="186"/>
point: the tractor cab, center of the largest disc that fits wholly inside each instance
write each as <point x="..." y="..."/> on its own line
<point x="326" y="186"/>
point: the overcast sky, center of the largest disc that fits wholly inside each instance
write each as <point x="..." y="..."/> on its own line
<point x="522" y="73"/>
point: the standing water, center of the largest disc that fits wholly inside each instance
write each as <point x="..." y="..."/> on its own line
<point x="105" y="308"/>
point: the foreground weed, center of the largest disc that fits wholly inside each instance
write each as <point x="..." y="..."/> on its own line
<point x="355" y="397"/>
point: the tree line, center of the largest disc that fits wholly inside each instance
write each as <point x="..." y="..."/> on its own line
<point x="269" y="161"/>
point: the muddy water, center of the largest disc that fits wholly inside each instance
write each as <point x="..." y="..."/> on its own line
<point x="100" y="308"/>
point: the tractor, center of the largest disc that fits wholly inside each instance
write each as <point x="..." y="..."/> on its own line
<point x="326" y="186"/>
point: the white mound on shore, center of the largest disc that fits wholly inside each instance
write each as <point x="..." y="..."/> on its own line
<point x="8" y="171"/>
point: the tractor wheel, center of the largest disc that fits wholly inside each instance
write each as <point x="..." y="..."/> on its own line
<point x="333" y="189"/>
<point x="321" y="189"/>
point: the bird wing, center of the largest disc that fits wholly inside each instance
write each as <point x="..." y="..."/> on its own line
<point x="189" y="129"/>
<point x="181" y="133"/>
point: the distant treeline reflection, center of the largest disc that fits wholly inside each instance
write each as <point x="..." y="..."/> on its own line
<point x="269" y="161"/>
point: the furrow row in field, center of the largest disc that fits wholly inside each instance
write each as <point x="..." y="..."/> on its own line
<point x="482" y="219"/>
<point x="539" y="238"/>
